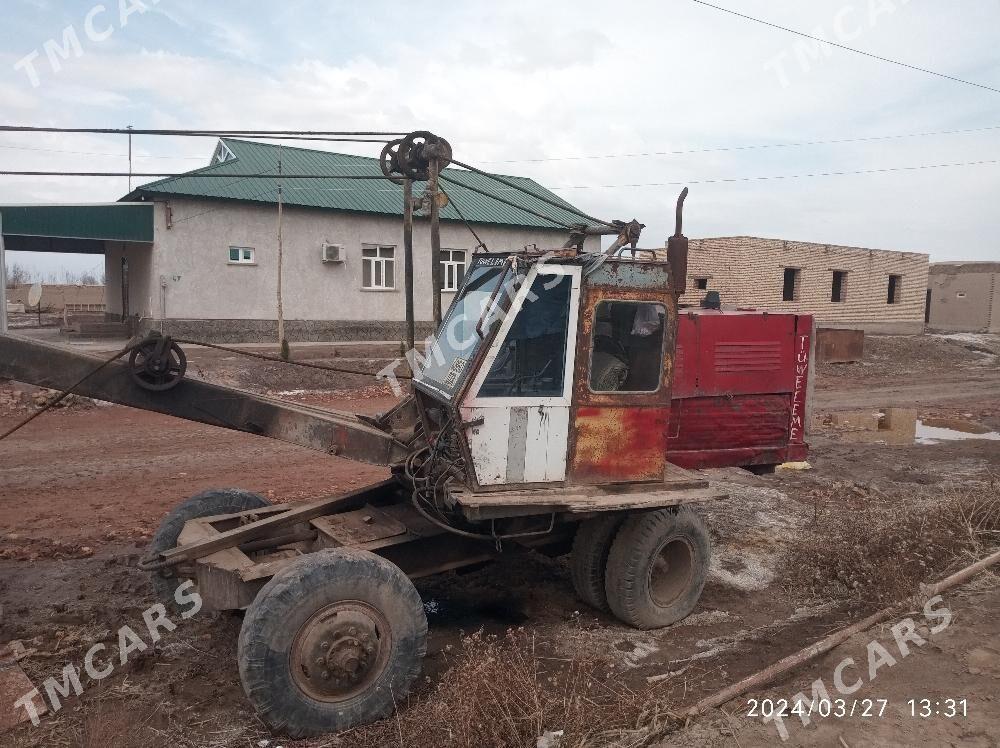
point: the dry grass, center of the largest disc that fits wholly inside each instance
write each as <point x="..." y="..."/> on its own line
<point x="506" y="692"/>
<point x="882" y="551"/>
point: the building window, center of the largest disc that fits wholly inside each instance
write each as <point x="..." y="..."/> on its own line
<point x="790" y="284"/>
<point x="838" y="290"/>
<point x="452" y="269"/>
<point x="378" y="267"/>
<point x="701" y="283"/>
<point x="894" y="290"/>
<point x="241" y="256"/>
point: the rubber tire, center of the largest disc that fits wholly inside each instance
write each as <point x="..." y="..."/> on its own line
<point x="288" y="600"/>
<point x="589" y="558"/>
<point x="205" y="504"/>
<point x="633" y="551"/>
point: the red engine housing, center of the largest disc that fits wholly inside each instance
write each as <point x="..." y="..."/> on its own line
<point x="741" y="387"/>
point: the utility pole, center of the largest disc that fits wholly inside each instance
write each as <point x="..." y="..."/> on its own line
<point x="130" y="158"/>
<point x="408" y="261"/>
<point x="432" y="193"/>
<point x="282" y="344"/>
<point x="3" y="284"/>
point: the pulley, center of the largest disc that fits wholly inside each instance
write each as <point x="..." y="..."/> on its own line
<point x="157" y="363"/>
<point x="410" y="157"/>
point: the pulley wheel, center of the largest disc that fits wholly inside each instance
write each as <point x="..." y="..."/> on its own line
<point x="389" y="161"/>
<point x="157" y="364"/>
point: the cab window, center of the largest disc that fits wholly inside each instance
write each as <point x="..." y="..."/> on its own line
<point x="627" y="346"/>
<point x="531" y="361"/>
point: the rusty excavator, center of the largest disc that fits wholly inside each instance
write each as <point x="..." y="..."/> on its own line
<point x="538" y="419"/>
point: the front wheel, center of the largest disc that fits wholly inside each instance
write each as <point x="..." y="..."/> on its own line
<point x="657" y="567"/>
<point x="333" y="641"/>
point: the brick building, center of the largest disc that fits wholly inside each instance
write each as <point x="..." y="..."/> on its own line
<point x="878" y="290"/>
<point x="964" y="297"/>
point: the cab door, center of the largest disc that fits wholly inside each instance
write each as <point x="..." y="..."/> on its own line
<point x="618" y="425"/>
<point x="517" y="409"/>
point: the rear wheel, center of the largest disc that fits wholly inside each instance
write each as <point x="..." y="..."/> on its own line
<point x="589" y="558"/>
<point x="657" y="567"/>
<point x="332" y="641"/>
<point x="205" y="504"/>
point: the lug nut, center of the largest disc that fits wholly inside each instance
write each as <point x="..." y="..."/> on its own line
<point x="325" y="675"/>
<point x="324" y="645"/>
<point x="320" y="661"/>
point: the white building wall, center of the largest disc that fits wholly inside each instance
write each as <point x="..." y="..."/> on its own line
<point x="192" y="259"/>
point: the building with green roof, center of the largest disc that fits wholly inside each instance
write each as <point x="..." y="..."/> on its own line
<point x="211" y="269"/>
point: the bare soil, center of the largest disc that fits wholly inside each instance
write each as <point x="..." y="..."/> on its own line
<point x="82" y="490"/>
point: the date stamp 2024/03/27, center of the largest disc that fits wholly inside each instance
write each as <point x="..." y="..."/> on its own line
<point x="868" y="708"/>
<point x="848" y="678"/>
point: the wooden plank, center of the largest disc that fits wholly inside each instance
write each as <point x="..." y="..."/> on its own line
<point x="490" y="506"/>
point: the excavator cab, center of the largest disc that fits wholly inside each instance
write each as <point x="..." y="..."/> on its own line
<point x="556" y="368"/>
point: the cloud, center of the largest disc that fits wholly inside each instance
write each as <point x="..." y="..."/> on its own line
<point x="524" y="80"/>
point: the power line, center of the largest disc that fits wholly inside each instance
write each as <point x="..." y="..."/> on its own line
<point x="849" y="49"/>
<point x="526" y="191"/>
<point x="779" y="176"/>
<point x="512" y="204"/>
<point x="188" y="175"/>
<point x="95" y="153"/>
<point x="747" y="147"/>
<point x="199" y="133"/>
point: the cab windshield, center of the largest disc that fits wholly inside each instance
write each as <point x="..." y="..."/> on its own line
<point x="458" y="340"/>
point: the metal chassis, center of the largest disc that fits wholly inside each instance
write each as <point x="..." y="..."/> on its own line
<point x="231" y="557"/>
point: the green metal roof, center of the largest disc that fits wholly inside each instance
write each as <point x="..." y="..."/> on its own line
<point x="75" y="228"/>
<point x="365" y="196"/>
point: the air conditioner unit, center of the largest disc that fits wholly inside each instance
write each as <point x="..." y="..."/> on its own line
<point x="333" y="253"/>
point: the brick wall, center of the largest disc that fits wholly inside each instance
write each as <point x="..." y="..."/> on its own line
<point x="749" y="271"/>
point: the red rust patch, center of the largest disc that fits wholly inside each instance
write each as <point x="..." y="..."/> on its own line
<point x="616" y="445"/>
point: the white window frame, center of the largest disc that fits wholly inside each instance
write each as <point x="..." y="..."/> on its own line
<point x="473" y="400"/>
<point x="449" y="268"/>
<point x="247" y="255"/>
<point x="385" y="254"/>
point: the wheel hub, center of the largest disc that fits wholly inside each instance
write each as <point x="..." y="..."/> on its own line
<point x="671" y="571"/>
<point x="340" y="651"/>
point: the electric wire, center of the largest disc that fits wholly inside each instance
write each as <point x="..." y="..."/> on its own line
<point x="187" y="175"/>
<point x="505" y="202"/>
<point x="200" y="133"/>
<point x="525" y="190"/>
<point x="886" y="170"/>
<point x="757" y="146"/>
<point x="849" y="49"/>
<point x="451" y="201"/>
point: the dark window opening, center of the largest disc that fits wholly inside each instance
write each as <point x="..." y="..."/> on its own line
<point x="927" y="308"/>
<point x="701" y="283"/>
<point x="627" y="347"/>
<point x="837" y="292"/>
<point x="532" y="360"/>
<point x="895" y="282"/>
<point x="790" y="285"/>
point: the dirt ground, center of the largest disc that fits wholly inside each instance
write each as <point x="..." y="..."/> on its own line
<point x="83" y="488"/>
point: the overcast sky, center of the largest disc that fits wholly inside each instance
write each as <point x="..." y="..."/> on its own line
<point x="508" y="82"/>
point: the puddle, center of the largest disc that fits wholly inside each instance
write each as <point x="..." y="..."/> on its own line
<point x="937" y="430"/>
<point x="900" y="426"/>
